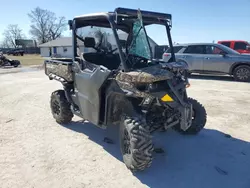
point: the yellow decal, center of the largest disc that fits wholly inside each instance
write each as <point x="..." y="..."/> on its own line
<point x="166" y="98"/>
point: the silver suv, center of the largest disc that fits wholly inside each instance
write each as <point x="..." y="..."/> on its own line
<point x="211" y="58"/>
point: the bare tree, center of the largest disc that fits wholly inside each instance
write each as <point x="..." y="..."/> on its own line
<point x="5" y="44"/>
<point x="12" y="33"/>
<point x="45" y="26"/>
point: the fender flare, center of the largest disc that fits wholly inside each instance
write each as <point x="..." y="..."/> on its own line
<point x="117" y="104"/>
<point x="236" y="64"/>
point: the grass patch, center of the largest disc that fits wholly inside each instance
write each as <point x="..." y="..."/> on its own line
<point x="28" y="60"/>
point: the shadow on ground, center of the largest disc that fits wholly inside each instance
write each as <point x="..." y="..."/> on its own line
<point x="212" y="77"/>
<point x="208" y="160"/>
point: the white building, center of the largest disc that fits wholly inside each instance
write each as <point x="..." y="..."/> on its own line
<point x="63" y="46"/>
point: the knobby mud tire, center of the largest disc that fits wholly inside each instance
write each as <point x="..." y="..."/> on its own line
<point x="199" y="119"/>
<point x="60" y="107"/>
<point x="138" y="153"/>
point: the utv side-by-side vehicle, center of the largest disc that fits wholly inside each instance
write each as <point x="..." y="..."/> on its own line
<point x="124" y="86"/>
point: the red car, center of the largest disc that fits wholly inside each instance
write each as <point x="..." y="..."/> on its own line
<point x="240" y="46"/>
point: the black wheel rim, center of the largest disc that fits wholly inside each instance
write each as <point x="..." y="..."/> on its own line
<point x="126" y="143"/>
<point x="243" y="73"/>
<point x="56" y="107"/>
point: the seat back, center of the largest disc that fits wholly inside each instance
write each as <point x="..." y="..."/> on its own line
<point x="110" y="61"/>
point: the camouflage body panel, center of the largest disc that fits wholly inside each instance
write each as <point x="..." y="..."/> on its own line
<point x="145" y="75"/>
<point x="62" y="69"/>
<point x="131" y="90"/>
<point x="128" y="80"/>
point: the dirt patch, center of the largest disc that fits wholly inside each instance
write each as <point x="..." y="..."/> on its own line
<point x="28" y="60"/>
<point x="21" y="69"/>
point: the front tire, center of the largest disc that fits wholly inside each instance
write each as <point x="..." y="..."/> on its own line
<point x="60" y="107"/>
<point x="242" y="73"/>
<point x="199" y="119"/>
<point x="136" y="144"/>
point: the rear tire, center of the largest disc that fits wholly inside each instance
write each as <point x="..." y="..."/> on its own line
<point x="60" y="107"/>
<point x="242" y="73"/>
<point x="136" y="144"/>
<point x="16" y="63"/>
<point x="199" y="119"/>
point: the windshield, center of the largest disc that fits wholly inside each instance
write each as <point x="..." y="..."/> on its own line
<point x="148" y="41"/>
<point x="140" y="45"/>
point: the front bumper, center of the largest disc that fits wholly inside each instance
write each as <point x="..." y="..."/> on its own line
<point x="175" y="97"/>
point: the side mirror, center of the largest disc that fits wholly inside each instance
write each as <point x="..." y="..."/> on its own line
<point x="223" y="53"/>
<point x="89" y="42"/>
<point x="70" y="23"/>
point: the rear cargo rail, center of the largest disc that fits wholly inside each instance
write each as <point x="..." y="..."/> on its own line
<point x="59" y="70"/>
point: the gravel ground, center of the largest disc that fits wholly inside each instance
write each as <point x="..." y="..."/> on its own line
<point x="35" y="151"/>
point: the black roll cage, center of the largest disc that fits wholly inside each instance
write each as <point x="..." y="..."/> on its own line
<point x="117" y="20"/>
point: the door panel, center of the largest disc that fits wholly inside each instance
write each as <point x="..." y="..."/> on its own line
<point x="87" y="84"/>
<point x="215" y="63"/>
<point x="194" y="61"/>
<point x="193" y="55"/>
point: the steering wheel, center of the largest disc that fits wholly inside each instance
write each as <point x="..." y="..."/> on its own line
<point x="136" y="60"/>
<point x="112" y="51"/>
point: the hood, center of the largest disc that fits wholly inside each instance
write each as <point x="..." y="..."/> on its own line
<point x="241" y="56"/>
<point x="246" y="54"/>
<point x="155" y="73"/>
<point x="145" y="75"/>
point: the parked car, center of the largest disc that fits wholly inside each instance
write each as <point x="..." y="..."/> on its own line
<point x="211" y="58"/>
<point x="16" y="52"/>
<point x="238" y="45"/>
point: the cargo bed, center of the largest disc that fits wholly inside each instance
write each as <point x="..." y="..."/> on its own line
<point x="59" y="69"/>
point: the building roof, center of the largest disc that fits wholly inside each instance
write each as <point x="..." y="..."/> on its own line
<point x="63" y="41"/>
<point x="67" y="41"/>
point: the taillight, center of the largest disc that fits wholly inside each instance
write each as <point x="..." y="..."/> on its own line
<point x="166" y="54"/>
